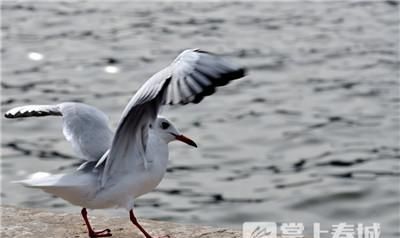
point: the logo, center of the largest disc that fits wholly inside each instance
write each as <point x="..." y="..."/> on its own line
<point x="259" y="230"/>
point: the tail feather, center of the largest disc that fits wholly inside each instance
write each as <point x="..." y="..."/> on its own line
<point x="46" y="180"/>
<point x="77" y="187"/>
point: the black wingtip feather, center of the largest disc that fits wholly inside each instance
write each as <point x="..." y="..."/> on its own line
<point x="238" y="73"/>
<point x="229" y="76"/>
<point x="197" y="99"/>
<point x="203" y="51"/>
<point x="31" y="114"/>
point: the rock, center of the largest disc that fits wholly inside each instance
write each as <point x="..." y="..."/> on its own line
<point x="23" y="222"/>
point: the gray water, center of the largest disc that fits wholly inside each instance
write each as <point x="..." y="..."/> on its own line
<point x="310" y="135"/>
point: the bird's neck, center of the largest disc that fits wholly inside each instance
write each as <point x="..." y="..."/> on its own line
<point x="164" y="137"/>
<point x="157" y="139"/>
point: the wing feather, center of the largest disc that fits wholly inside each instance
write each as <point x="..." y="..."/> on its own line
<point x="33" y="111"/>
<point x="193" y="75"/>
<point x="84" y="126"/>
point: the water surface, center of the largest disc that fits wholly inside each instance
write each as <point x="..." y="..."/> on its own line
<point x="310" y="135"/>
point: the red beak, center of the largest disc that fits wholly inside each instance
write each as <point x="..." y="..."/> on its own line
<point x="185" y="140"/>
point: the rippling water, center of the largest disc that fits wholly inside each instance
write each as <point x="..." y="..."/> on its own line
<point x="310" y="135"/>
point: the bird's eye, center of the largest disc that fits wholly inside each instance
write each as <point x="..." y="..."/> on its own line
<point x="164" y="125"/>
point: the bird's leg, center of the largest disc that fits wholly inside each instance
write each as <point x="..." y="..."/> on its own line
<point x="92" y="233"/>
<point x="136" y="223"/>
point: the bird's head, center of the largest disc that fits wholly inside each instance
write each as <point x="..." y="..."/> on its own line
<point x="168" y="132"/>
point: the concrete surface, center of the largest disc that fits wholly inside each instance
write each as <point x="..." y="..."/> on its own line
<point x="22" y="222"/>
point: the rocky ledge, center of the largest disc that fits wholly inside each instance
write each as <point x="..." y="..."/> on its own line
<point x="22" y="222"/>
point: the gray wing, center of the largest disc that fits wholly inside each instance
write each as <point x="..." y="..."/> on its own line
<point x="196" y="74"/>
<point x="84" y="126"/>
<point x="193" y="75"/>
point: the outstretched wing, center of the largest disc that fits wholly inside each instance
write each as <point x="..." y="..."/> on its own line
<point x="84" y="126"/>
<point x="193" y="75"/>
<point x="33" y="111"/>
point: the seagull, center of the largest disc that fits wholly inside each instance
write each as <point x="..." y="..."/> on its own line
<point x="120" y="166"/>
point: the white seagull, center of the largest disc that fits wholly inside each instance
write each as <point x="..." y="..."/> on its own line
<point x="124" y="165"/>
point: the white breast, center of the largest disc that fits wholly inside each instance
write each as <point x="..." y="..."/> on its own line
<point x="139" y="180"/>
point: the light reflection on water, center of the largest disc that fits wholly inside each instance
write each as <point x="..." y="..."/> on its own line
<point x="35" y="56"/>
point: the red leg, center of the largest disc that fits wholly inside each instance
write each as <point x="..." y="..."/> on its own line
<point x="92" y="233"/>
<point x="136" y="223"/>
